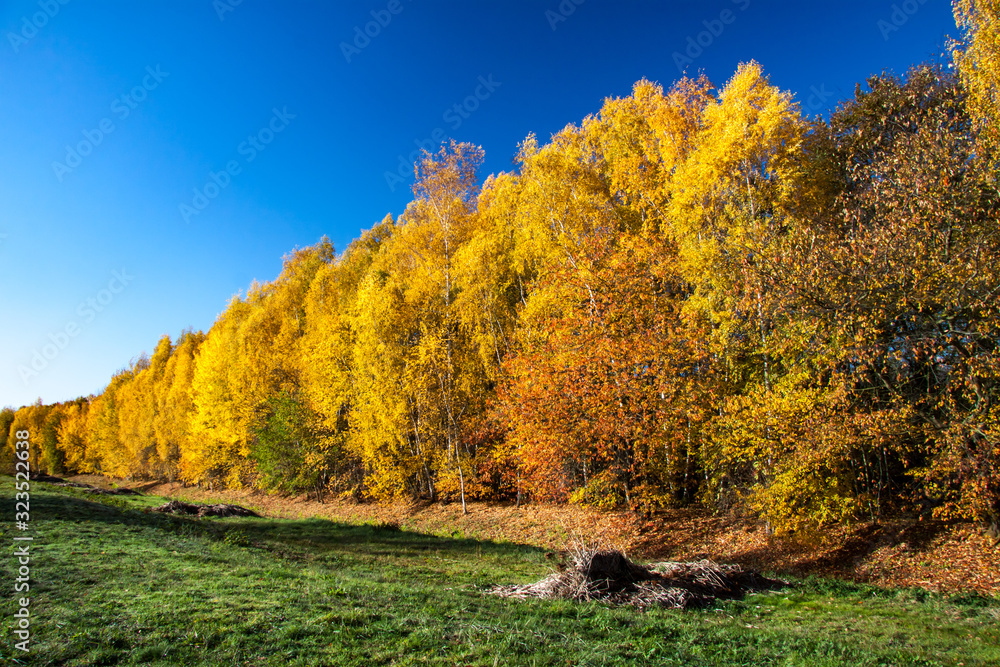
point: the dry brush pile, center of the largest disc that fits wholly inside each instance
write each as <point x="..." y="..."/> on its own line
<point x="609" y="576"/>
<point x="222" y="509"/>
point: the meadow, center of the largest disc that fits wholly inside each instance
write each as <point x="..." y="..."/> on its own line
<point x="115" y="584"/>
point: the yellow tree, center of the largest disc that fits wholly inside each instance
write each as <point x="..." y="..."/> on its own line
<point x="492" y="274"/>
<point x="644" y="138"/>
<point x="217" y="449"/>
<point x="383" y="433"/>
<point x="249" y="357"/>
<point x="175" y="403"/>
<point x="417" y="372"/>
<point x="53" y="457"/>
<point x="978" y="60"/>
<point x="564" y="212"/>
<point x="327" y="356"/>
<point x="605" y="389"/>
<point x="495" y="274"/>
<point x="730" y="196"/>
<point x="137" y="412"/>
<point x="444" y="368"/>
<point x="730" y="206"/>
<point x="7" y="441"/>
<point x="268" y="365"/>
<point x="642" y="141"/>
<point x="103" y="430"/>
<point x="31" y="418"/>
<point x="72" y="433"/>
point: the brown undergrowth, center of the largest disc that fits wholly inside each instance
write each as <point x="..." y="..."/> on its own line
<point x="935" y="555"/>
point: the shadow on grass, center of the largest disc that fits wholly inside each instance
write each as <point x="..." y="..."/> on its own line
<point x="67" y="504"/>
<point x="330" y="536"/>
<point x="824" y="586"/>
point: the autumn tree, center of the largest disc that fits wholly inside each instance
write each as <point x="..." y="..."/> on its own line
<point x="137" y="413"/>
<point x="904" y="277"/>
<point x="109" y="453"/>
<point x="496" y="269"/>
<point x="978" y="61"/>
<point x="416" y="397"/>
<point x="6" y="440"/>
<point x="328" y="379"/>
<point x="52" y="454"/>
<point x="218" y="448"/>
<point x="32" y="418"/>
<point x="175" y="403"/>
<point x="285" y="435"/>
<point x="72" y="437"/>
<point x="267" y="362"/>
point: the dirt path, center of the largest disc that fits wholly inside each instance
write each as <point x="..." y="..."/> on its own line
<point x="933" y="555"/>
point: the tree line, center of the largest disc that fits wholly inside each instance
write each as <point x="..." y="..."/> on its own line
<point x="696" y="295"/>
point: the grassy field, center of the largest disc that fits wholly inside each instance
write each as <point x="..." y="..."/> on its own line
<point x="113" y="584"/>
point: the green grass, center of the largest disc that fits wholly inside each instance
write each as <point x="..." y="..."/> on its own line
<point x="112" y="584"/>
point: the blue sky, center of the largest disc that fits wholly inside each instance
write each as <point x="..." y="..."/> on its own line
<point x="156" y="157"/>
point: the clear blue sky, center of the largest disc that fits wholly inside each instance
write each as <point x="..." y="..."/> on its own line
<point x="114" y="113"/>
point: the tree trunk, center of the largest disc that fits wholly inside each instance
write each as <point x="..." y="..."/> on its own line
<point x="461" y="485"/>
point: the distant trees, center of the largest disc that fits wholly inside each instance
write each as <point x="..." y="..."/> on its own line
<point x="7" y="416"/>
<point x="694" y="296"/>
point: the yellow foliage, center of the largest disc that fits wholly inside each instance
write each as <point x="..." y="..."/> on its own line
<point x="979" y="63"/>
<point x="216" y="443"/>
<point x="692" y="294"/>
